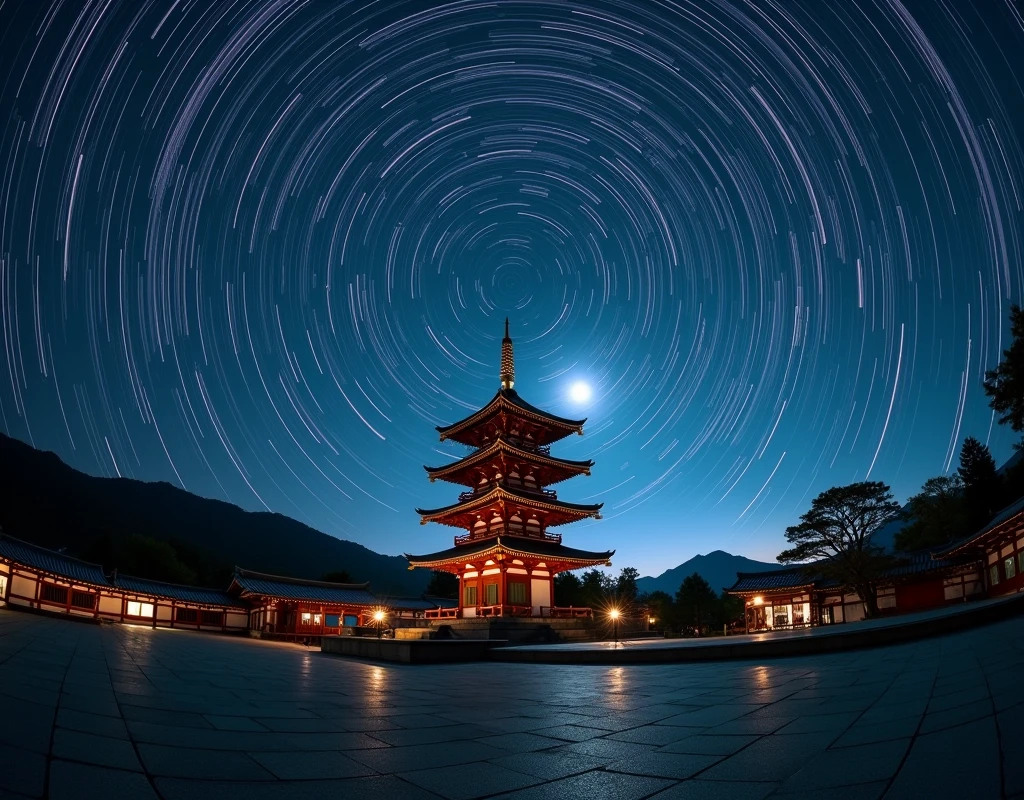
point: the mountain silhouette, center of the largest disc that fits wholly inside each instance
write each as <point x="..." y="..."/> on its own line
<point x="156" y="530"/>
<point x="718" y="568"/>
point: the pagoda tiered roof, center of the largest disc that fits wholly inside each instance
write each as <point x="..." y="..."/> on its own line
<point x="465" y="513"/>
<point x="553" y="553"/>
<point x="507" y="402"/>
<point x="554" y="469"/>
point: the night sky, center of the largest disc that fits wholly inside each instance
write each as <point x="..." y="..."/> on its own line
<point x="260" y="249"/>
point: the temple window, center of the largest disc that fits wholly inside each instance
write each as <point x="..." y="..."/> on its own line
<point x="213" y="618"/>
<point x="1020" y="558"/>
<point x="137" y="609"/>
<point x="993" y="574"/>
<point x="1010" y="567"/>
<point x="307" y="618"/>
<point x="491" y="594"/>
<point x="517" y="593"/>
<point x="469" y="596"/>
<point x="190" y="615"/>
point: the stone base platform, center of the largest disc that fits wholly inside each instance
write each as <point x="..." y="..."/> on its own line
<point x="519" y="630"/>
<point x="409" y="651"/>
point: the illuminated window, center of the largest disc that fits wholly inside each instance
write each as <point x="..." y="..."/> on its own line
<point x="1010" y="566"/>
<point x="470" y="596"/>
<point x="306" y="618"/>
<point x="993" y="574"/>
<point x="491" y="590"/>
<point x="517" y="593"/>
<point x="137" y="609"/>
<point x="317" y="619"/>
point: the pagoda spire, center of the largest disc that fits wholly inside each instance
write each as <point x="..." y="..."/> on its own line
<point x="508" y="364"/>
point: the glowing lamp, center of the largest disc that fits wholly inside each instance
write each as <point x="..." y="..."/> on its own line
<point x="614" y="613"/>
<point x="759" y="601"/>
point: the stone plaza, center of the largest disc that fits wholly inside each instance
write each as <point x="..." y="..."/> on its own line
<point x="109" y="711"/>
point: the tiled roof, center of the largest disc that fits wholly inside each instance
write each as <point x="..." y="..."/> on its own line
<point x="51" y="561"/>
<point x="175" y="591"/>
<point x="775" y="579"/>
<point x="806" y="575"/>
<point x="257" y="583"/>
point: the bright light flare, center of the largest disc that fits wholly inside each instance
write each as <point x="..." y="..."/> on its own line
<point x="614" y="613"/>
<point x="378" y="616"/>
<point x="580" y="392"/>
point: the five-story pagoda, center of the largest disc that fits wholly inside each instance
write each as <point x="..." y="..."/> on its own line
<point x="507" y="558"/>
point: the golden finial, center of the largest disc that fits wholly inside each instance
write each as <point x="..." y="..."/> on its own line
<point x="508" y="364"/>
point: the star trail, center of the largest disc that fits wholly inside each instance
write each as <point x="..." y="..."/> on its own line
<point x="259" y="249"/>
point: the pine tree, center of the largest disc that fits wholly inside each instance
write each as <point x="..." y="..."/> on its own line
<point x="1005" y="384"/>
<point x="935" y="516"/>
<point x="982" y="484"/>
<point x="836" y="532"/>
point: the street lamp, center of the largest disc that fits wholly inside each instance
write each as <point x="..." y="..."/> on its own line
<point x="378" y="619"/>
<point x="614" y="614"/>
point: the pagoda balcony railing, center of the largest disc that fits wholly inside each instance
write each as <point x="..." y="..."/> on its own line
<point x="549" y="493"/>
<point x="441" y="613"/>
<point x="474" y="536"/>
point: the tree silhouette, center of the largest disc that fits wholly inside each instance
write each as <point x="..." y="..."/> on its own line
<point x="625" y="584"/>
<point x="935" y="516"/>
<point x="1004" y="385"/>
<point x="695" y="600"/>
<point x="982" y="483"/>
<point x="836" y="534"/>
<point x="443" y="584"/>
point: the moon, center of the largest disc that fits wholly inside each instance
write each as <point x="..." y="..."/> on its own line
<point x="580" y="392"/>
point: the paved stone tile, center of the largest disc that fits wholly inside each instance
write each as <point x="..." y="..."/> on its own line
<point x="87" y="782"/>
<point x="111" y="727"/>
<point x="859" y="791"/>
<point x="959" y="762"/>
<point x="291" y="766"/>
<point x="654" y="734"/>
<point x="91" y="749"/>
<point x="448" y="733"/>
<point x="771" y="758"/>
<point x="182" y="762"/>
<point x="549" y="766"/>
<point x="610" y="785"/>
<point x="697" y="789"/>
<point x="23" y="771"/>
<point x="519" y="742"/>
<point x="377" y="788"/>
<point x="608" y="749"/>
<point x="571" y="733"/>
<point x="859" y="734"/>
<point x="234" y="723"/>
<point x="470" y="780"/>
<point x="709" y="745"/>
<point x="846" y="766"/>
<point x="664" y="765"/>
<point x="424" y="756"/>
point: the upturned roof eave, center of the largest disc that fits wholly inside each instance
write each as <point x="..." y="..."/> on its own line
<point x="580" y="467"/>
<point x="522" y="547"/>
<point x="494" y="406"/>
<point x="429" y="515"/>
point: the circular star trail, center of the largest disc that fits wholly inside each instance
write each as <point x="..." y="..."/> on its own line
<point x="260" y="249"/>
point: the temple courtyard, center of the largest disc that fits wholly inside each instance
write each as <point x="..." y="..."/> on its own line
<point x="118" y="711"/>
